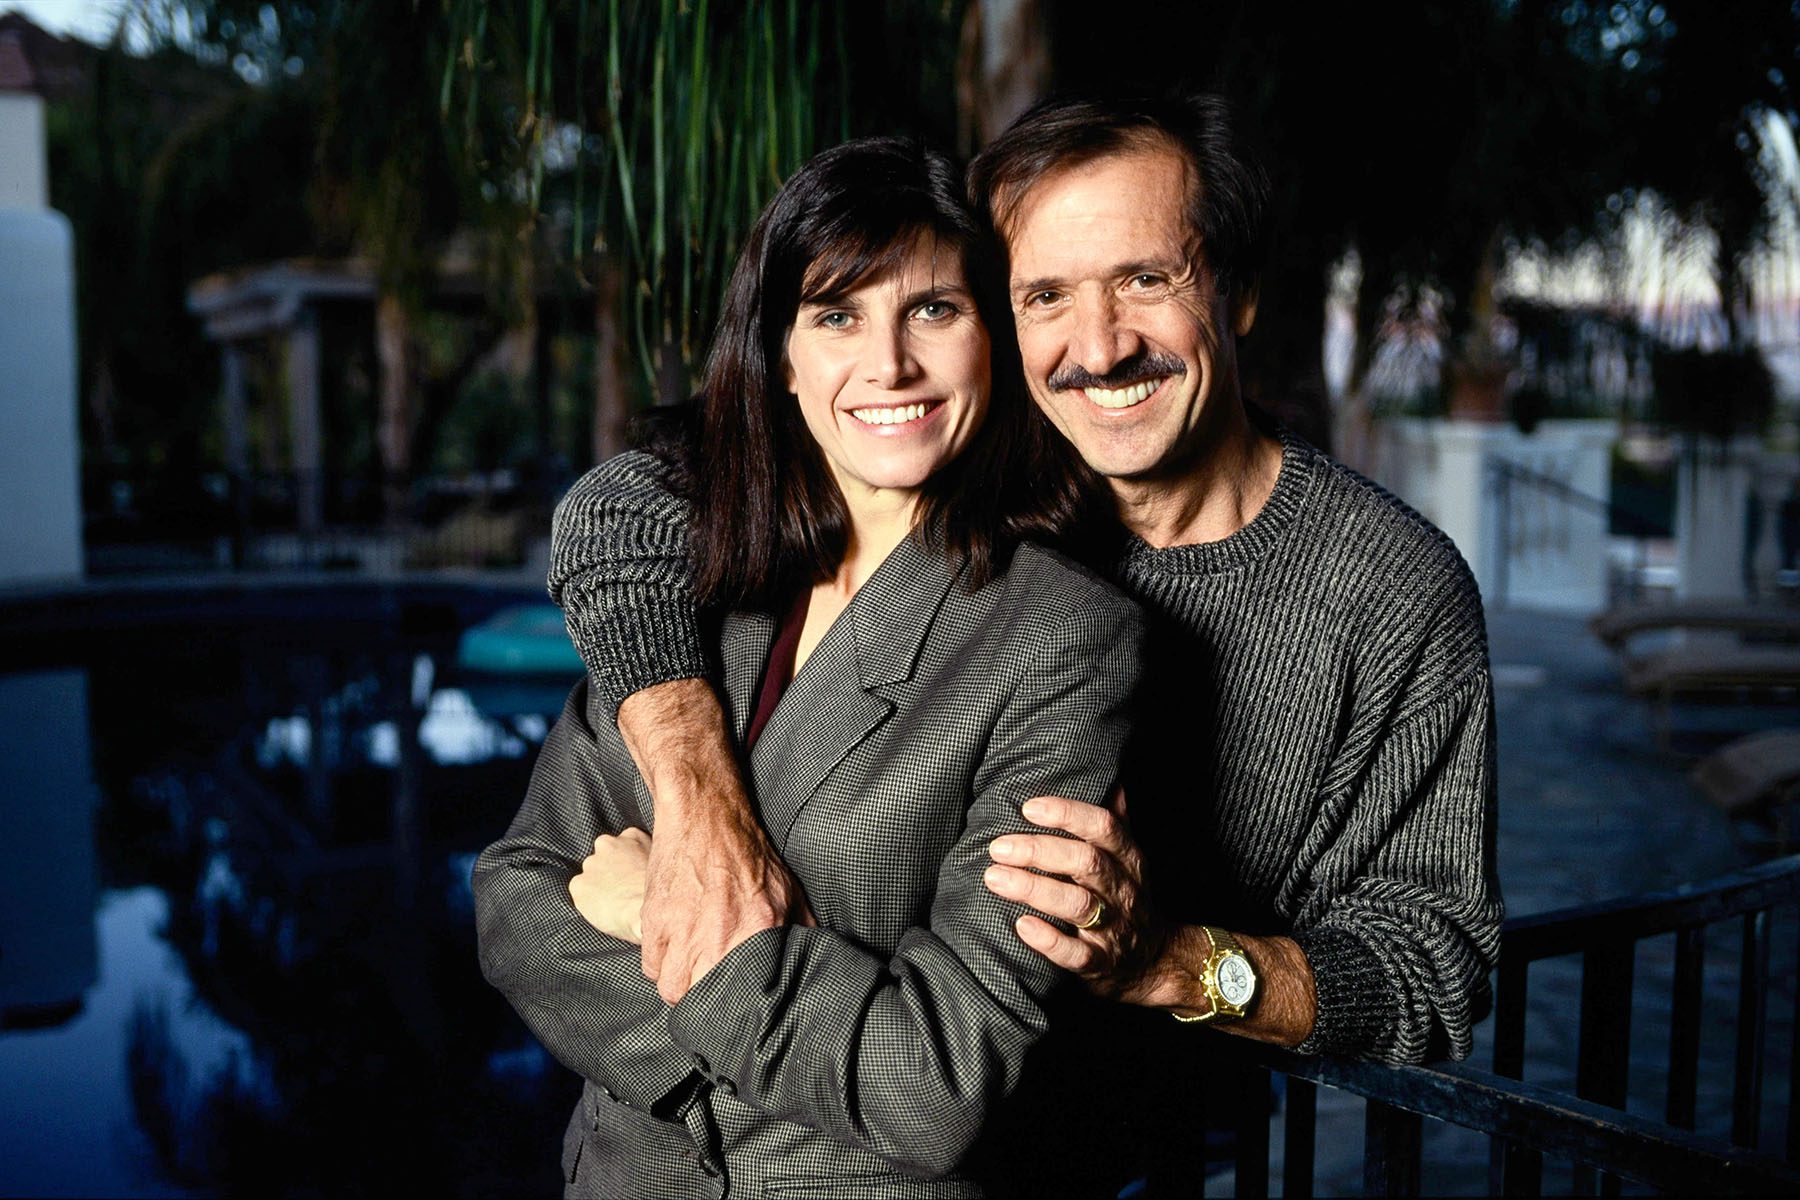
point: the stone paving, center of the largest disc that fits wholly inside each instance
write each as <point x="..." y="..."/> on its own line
<point x="1591" y="809"/>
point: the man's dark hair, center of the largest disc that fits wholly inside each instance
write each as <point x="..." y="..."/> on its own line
<point x="1228" y="188"/>
<point x="768" y="515"/>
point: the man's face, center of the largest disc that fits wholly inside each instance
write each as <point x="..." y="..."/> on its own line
<point x="1124" y="338"/>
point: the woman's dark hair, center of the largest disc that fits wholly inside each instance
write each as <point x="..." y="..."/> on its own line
<point x="768" y="515"/>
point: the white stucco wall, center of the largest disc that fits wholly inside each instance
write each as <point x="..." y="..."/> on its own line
<point x="40" y="496"/>
<point x="24" y="182"/>
<point x="1715" y="483"/>
<point x="1548" y="553"/>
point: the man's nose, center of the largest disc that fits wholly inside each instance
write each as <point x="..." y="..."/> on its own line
<point x="1102" y="338"/>
<point x="887" y="357"/>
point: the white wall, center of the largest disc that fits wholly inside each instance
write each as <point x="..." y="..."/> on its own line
<point x="1715" y="484"/>
<point x="40" y="497"/>
<point x="24" y="183"/>
<point x="1548" y="553"/>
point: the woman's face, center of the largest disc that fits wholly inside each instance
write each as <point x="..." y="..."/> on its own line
<point x="892" y="376"/>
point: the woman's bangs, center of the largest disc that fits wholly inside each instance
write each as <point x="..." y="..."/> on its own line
<point x="862" y="256"/>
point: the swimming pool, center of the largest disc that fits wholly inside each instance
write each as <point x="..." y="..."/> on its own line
<point x="236" y="939"/>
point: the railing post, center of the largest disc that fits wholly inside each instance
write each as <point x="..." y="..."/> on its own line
<point x="1793" y="1121"/>
<point x="1521" y="1171"/>
<point x="1510" y="1166"/>
<point x="1684" y="1027"/>
<point x="1391" y="1139"/>
<point x="1252" y="1182"/>
<point x="1753" y="1004"/>
<point x="1603" y="1053"/>
<point x="1299" y="1133"/>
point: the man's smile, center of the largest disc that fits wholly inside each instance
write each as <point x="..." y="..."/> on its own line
<point x="1125" y="397"/>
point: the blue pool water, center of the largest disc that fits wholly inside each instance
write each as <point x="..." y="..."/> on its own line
<point x="236" y="938"/>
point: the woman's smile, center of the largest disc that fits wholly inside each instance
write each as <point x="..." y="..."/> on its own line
<point x="897" y="420"/>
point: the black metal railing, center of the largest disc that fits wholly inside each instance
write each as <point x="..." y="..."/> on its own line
<point x="1528" y="1122"/>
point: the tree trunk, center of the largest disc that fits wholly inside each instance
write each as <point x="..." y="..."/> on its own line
<point x="1002" y="67"/>
<point x="612" y="394"/>
<point x="394" y="353"/>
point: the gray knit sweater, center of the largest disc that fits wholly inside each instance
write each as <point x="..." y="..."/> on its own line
<point x="1315" y="755"/>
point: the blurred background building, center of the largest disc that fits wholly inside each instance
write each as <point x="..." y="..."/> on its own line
<point x="310" y="310"/>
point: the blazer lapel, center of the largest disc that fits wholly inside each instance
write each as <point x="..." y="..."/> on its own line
<point x="834" y="702"/>
<point x="745" y="639"/>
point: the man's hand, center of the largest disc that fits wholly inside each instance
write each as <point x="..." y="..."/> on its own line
<point x="1130" y="954"/>
<point x="609" y="890"/>
<point x="1061" y="877"/>
<point x="714" y="877"/>
<point x="714" y="881"/>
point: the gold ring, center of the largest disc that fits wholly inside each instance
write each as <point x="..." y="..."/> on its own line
<point x="1094" y="918"/>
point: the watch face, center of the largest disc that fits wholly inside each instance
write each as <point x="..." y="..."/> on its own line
<point x="1236" y="981"/>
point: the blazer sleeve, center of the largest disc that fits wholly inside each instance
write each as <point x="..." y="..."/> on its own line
<point x="905" y="1056"/>
<point x="580" y="991"/>
<point x="619" y="570"/>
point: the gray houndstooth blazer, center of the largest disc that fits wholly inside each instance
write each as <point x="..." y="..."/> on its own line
<point x="863" y="1057"/>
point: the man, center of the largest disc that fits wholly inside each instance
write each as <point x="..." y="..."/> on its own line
<point x="1317" y="763"/>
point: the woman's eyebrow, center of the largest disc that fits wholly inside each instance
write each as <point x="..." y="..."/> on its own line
<point x="843" y="299"/>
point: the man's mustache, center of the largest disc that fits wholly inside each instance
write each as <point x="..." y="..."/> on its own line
<point x="1136" y="369"/>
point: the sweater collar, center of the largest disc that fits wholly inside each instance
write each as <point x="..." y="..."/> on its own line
<point x="1248" y="545"/>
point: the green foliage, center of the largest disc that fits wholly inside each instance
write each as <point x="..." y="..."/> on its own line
<point x="651" y="133"/>
<point x="1715" y="393"/>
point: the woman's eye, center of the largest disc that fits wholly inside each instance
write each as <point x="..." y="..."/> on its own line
<point x="936" y="310"/>
<point x="835" y="319"/>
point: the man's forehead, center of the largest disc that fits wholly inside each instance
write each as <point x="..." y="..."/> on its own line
<point x="1116" y="210"/>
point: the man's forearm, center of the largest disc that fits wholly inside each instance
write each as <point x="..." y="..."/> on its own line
<point x="1285" y="1003"/>
<point x="677" y="736"/>
<point x="715" y="878"/>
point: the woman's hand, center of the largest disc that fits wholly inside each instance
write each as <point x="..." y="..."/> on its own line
<point x="609" y="891"/>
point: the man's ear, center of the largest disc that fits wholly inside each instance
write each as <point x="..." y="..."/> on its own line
<point x="1244" y="315"/>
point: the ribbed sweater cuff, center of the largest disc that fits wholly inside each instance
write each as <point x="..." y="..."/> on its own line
<point x="1355" y="997"/>
<point x="659" y="643"/>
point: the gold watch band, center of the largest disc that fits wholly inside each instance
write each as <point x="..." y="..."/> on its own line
<point x="1220" y="942"/>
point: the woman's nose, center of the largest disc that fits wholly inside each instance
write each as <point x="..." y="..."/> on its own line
<point x="887" y="358"/>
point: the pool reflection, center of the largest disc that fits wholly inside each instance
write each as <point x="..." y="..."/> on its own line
<point x="284" y="995"/>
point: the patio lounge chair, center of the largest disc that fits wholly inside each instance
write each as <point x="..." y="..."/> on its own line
<point x="1617" y="626"/>
<point x="1701" y="670"/>
<point x="1756" y="776"/>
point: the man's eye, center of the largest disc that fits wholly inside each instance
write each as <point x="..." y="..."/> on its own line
<point x="1042" y="299"/>
<point x="1146" y="280"/>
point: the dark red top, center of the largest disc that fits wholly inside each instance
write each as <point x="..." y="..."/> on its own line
<point x="779" y="670"/>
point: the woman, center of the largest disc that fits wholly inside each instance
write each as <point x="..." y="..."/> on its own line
<point x="904" y="669"/>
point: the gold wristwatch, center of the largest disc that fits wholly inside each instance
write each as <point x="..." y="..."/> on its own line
<point x="1226" y="977"/>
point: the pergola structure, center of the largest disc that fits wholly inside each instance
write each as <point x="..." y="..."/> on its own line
<point x="278" y="305"/>
<point x="278" y="302"/>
